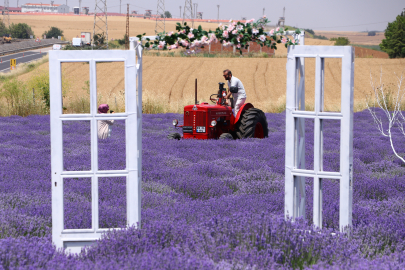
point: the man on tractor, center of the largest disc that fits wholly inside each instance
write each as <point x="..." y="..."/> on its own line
<point x="237" y="90"/>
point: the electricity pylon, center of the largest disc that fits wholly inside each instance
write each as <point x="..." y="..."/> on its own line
<point x="188" y="12"/>
<point x="6" y="16"/>
<point x="160" y="17"/>
<point x="127" y="30"/>
<point x="100" y="27"/>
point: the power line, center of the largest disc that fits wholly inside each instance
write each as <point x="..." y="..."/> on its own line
<point x="160" y="17"/>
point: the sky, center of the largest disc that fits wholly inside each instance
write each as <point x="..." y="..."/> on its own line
<point x="328" y="15"/>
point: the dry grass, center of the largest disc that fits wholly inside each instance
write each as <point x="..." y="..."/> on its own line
<point x="168" y="82"/>
<point x="354" y="37"/>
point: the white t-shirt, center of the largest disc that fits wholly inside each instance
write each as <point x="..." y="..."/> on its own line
<point x="241" y="90"/>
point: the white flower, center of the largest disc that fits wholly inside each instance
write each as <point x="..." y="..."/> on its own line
<point x="262" y="38"/>
<point x="255" y="31"/>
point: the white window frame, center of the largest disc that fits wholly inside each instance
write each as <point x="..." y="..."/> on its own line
<point x="73" y="240"/>
<point x="295" y="171"/>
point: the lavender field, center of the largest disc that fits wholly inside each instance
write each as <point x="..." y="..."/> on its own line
<point x="205" y="204"/>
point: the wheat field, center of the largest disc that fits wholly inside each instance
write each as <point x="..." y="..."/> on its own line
<point x="72" y="25"/>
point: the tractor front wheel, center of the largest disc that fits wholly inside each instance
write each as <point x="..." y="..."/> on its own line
<point x="226" y="136"/>
<point x="174" y="136"/>
<point x="252" y="124"/>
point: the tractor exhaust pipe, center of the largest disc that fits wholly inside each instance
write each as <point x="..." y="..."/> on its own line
<point x="196" y="91"/>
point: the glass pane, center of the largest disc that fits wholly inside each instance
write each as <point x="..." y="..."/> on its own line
<point x="110" y="86"/>
<point x="112" y="205"/>
<point x="76" y="145"/>
<point x="111" y="145"/>
<point x="75" y="87"/>
<point x="77" y="203"/>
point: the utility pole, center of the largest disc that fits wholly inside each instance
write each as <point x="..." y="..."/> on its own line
<point x="263" y="11"/>
<point x="127" y="30"/>
<point x="188" y="12"/>
<point x="6" y="16"/>
<point x="218" y="13"/>
<point x="17" y="3"/>
<point x="100" y="26"/>
<point x="160" y="17"/>
<point x="80" y="7"/>
<point x="180" y="11"/>
<point x="195" y="10"/>
<point x="120" y="6"/>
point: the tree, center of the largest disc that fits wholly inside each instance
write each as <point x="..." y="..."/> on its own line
<point x="3" y="29"/>
<point x="53" y="32"/>
<point x="20" y="30"/>
<point x="168" y="14"/>
<point x="394" y="42"/>
<point x="391" y="104"/>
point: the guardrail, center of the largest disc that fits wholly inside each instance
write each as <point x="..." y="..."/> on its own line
<point x="28" y="45"/>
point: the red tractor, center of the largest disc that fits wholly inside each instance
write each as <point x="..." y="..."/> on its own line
<point x="205" y="121"/>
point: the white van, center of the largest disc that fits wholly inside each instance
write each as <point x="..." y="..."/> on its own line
<point x="77" y="42"/>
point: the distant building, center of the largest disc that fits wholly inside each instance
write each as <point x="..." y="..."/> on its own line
<point x="10" y="9"/>
<point x="56" y="8"/>
<point x="199" y="15"/>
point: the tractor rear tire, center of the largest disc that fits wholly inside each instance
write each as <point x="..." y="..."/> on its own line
<point x="226" y="136"/>
<point x="174" y="136"/>
<point x="252" y="124"/>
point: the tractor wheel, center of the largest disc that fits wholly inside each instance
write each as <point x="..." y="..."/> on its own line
<point x="252" y="124"/>
<point x="226" y="136"/>
<point x="174" y="136"/>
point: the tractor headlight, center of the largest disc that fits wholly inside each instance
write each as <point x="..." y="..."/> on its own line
<point x="213" y="123"/>
<point x="175" y="122"/>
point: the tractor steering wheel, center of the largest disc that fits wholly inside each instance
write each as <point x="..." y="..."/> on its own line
<point x="212" y="99"/>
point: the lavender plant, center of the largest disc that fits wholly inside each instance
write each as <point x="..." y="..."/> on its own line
<point x="205" y="204"/>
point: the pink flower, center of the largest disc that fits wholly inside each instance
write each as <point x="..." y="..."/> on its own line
<point x="239" y="27"/>
<point x="271" y="32"/>
<point x="284" y="40"/>
<point x="170" y="34"/>
<point x="190" y="35"/>
<point x="238" y="46"/>
<point x="160" y="46"/>
<point x="264" y="16"/>
<point x="262" y="38"/>
<point x="204" y="39"/>
<point x="230" y="20"/>
<point x="225" y="34"/>
<point x="250" y="21"/>
<point x="183" y="31"/>
<point x="174" y="46"/>
<point x="277" y="29"/>
<point x="255" y="31"/>
<point x="184" y="42"/>
<point x="230" y="27"/>
<point x="235" y="32"/>
<point x="233" y="23"/>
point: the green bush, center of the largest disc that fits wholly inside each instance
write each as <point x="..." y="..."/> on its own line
<point x="168" y="14"/>
<point x="20" y="30"/>
<point x="320" y="37"/>
<point x="371" y="33"/>
<point x="394" y="42"/>
<point x="341" y="41"/>
<point x="53" y="32"/>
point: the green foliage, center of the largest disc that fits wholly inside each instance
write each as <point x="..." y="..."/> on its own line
<point x="312" y="32"/>
<point x="320" y="37"/>
<point x="99" y="39"/>
<point x="341" y="41"/>
<point x="371" y="33"/>
<point x="53" y="32"/>
<point x="3" y="29"/>
<point x="122" y="41"/>
<point x="168" y="14"/>
<point x="20" y="30"/>
<point x="394" y="42"/>
<point x="236" y="33"/>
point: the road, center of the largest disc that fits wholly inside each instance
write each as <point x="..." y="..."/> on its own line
<point x="22" y="57"/>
